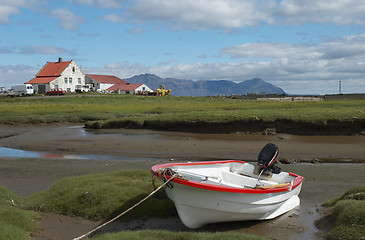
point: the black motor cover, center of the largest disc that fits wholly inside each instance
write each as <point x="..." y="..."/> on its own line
<point x="267" y="157"/>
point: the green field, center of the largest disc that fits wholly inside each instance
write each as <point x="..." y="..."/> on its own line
<point x="168" y="113"/>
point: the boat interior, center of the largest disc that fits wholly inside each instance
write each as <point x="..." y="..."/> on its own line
<point x="233" y="174"/>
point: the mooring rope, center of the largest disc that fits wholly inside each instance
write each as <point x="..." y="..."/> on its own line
<point x="135" y="205"/>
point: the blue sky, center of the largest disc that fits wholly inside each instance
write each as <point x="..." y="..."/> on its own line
<point x="304" y="47"/>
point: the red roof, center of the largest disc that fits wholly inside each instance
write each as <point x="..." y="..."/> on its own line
<point x="49" y="72"/>
<point x="124" y="87"/>
<point x="106" y="79"/>
<point x="53" y="69"/>
<point x="40" y="80"/>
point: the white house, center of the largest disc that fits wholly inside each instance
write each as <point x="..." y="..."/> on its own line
<point x="130" y="88"/>
<point x="68" y="76"/>
<point x="61" y="74"/>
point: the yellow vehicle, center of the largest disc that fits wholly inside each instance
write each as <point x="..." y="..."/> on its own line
<point x="162" y="91"/>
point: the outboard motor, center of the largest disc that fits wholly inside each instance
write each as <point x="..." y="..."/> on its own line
<point x="266" y="159"/>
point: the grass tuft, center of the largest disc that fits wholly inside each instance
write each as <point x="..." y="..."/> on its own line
<point x="348" y="214"/>
<point x="104" y="195"/>
<point x="15" y="223"/>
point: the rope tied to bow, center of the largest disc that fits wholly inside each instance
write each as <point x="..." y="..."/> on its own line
<point x="165" y="173"/>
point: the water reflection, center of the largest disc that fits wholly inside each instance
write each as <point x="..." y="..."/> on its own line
<point x="6" y="152"/>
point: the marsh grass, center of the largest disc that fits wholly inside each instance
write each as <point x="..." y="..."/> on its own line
<point x="165" y="235"/>
<point x="15" y="223"/>
<point x="348" y="215"/>
<point x="137" y="109"/>
<point x="102" y="196"/>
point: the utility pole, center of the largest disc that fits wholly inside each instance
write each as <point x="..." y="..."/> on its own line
<point x="339" y="87"/>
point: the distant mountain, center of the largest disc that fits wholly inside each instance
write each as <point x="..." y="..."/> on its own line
<point x="199" y="88"/>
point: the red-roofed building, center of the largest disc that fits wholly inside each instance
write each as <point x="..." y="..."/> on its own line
<point x="68" y="76"/>
<point x="129" y="88"/>
<point x="102" y="82"/>
<point x="61" y="74"/>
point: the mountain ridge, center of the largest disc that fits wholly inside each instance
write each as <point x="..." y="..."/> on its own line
<point x="182" y="87"/>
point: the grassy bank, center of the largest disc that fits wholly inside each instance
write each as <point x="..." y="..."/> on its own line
<point x="348" y="215"/>
<point x="15" y="223"/>
<point x="103" y="196"/>
<point x="185" y="113"/>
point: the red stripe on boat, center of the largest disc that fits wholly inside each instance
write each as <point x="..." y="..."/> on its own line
<point x="298" y="180"/>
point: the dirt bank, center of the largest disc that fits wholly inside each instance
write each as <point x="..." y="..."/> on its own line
<point x="332" y="127"/>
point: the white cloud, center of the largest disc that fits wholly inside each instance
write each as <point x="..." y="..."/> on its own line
<point x="48" y="50"/>
<point x="346" y="47"/>
<point x="100" y="3"/>
<point x="114" y="18"/>
<point x="332" y="11"/>
<point x="16" y="74"/>
<point x="10" y="7"/>
<point x="233" y="14"/>
<point x="201" y="14"/>
<point x="68" y="20"/>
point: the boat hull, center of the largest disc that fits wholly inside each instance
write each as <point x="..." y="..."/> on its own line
<point x="224" y="191"/>
<point x="197" y="207"/>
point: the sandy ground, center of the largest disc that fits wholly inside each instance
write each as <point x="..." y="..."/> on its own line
<point x="109" y="150"/>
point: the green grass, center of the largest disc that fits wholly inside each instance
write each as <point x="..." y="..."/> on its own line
<point x="348" y="215"/>
<point x="102" y="196"/>
<point x="15" y="223"/>
<point x="138" y="109"/>
<point x="165" y="235"/>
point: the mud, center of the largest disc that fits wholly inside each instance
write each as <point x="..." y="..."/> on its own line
<point x="140" y="149"/>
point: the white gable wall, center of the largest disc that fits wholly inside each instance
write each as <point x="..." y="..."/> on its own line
<point x="104" y="86"/>
<point x="71" y="77"/>
<point x="143" y="88"/>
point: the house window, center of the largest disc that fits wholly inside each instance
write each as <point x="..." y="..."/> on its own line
<point x="65" y="79"/>
<point x="143" y="88"/>
<point x="68" y="89"/>
<point x="73" y="69"/>
<point x="55" y="86"/>
<point x="70" y="80"/>
<point x="79" y="80"/>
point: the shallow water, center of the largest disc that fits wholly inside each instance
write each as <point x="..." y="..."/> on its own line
<point x="6" y="152"/>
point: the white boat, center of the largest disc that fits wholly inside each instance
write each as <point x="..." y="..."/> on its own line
<point x="231" y="190"/>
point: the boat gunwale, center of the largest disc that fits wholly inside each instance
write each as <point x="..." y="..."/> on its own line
<point x="297" y="182"/>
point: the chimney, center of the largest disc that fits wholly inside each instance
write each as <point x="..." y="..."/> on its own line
<point x="59" y="60"/>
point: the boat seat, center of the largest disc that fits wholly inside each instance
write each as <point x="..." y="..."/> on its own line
<point x="257" y="172"/>
<point x="246" y="169"/>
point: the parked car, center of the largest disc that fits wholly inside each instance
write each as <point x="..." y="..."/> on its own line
<point x="7" y="93"/>
<point x="56" y="91"/>
<point x="82" y="89"/>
